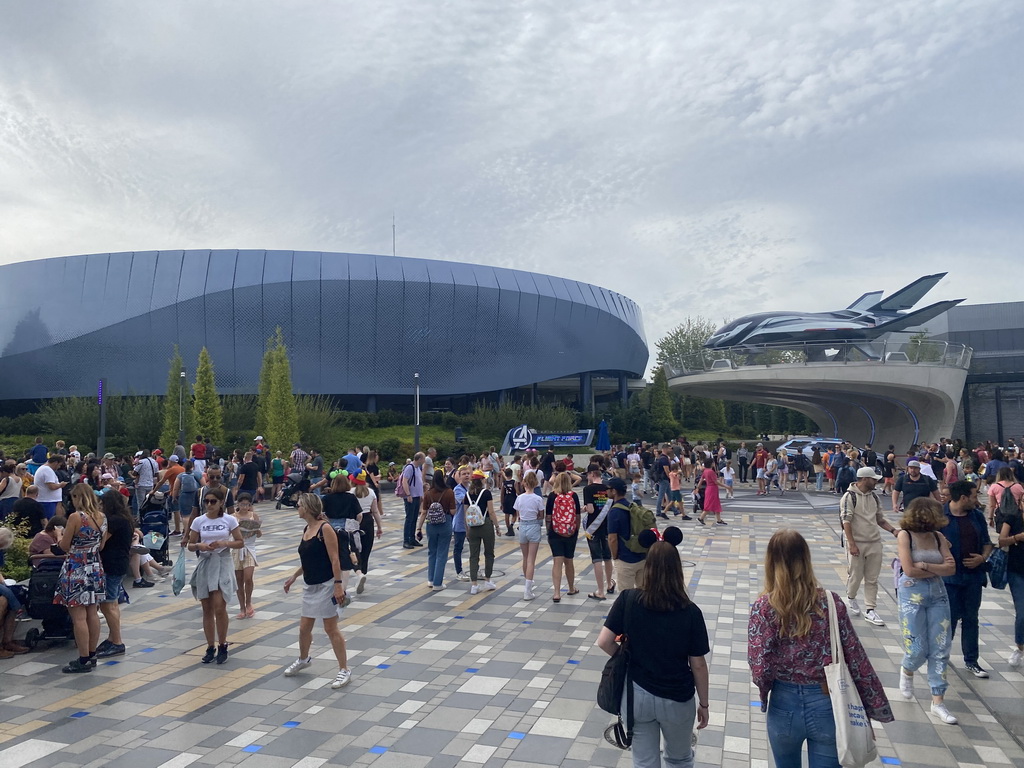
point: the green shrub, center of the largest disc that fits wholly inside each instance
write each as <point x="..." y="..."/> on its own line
<point x="354" y="420"/>
<point x="390" y="449"/>
<point x="17" y="566"/>
<point x="389" y="418"/>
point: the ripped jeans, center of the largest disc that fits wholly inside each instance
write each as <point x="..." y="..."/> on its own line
<point x="925" y="624"/>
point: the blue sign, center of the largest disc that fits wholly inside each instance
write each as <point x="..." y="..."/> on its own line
<point x="522" y="438"/>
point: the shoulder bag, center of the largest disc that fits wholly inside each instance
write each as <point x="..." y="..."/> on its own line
<point x="855" y="741"/>
<point x="615" y="679"/>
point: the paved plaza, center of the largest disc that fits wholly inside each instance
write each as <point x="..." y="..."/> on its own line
<point x="445" y="678"/>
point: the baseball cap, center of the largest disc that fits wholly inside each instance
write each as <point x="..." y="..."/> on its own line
<point x="913" y="464"/>
<point x="259" y="437"/>
<point x="477" y="473"/>
<point x="157" y="452"/>
<point x="617" y="484"/>
<point x="108" y="456"/>
<point x="138" y="454"/>
<point x="868" y="472"/>
<point x="174" y="457"/>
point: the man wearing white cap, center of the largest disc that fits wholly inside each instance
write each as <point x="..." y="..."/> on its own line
<point x="913" y="485"/>
<point x="860" y="512"/>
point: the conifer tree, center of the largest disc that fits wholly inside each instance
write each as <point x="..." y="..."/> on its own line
<point x="282" y="413"/>
<point x="662" y="420"/>
<point x="207" y="417"/>
<point x="179" y="395"/>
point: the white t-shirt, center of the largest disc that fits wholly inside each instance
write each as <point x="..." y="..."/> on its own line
<point x="530" y="506"/>
<point x="147" y="470"/>
<point x="214" y="529"/>
<point x="728" y="473"/>
<point x="517" y="471"/>
<point x="366" y="502"/>
<point x="44" y="475"/>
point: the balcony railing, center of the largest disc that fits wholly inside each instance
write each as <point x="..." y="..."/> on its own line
<point x="912" y="352"/>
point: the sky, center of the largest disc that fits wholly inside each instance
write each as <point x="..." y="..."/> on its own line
<point x="711" y="159"/>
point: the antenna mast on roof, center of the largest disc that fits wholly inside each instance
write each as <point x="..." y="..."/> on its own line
<point x="393" y="235"/>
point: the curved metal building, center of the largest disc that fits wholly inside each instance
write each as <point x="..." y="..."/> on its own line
<point x="355" y="324"/>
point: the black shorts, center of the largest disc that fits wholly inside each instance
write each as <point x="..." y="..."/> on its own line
<point x="563" y="546"/>
<point x="599" y="549"/>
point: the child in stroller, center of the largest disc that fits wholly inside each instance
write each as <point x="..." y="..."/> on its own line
<point x="42" y="584"/>
<point x="155" y="526"/>
<point x="295" y="484"/>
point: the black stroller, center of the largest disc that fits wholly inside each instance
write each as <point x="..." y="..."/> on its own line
<point x="42" y="584"/>
<point x="155" y="519"/>
<point x="295" y="483"/>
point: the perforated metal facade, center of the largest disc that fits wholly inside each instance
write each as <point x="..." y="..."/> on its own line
<point x="354" y="323"/>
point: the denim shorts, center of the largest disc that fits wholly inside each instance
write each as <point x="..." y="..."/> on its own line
<point x="114" y="581"/>
<point x="529" y="531"/>
<point x="599" y="549"/>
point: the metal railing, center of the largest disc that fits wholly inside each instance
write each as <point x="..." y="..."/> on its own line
<point x="913" y="352"/>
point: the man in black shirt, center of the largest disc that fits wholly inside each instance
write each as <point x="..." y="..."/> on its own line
<point x="28" y="511"/>
<point x="547" y="463"/>
<point x="913" y="485"/>
<point x="595" y="528"/>
<point x="662" y="465"/>
<point x="250" y="479"/>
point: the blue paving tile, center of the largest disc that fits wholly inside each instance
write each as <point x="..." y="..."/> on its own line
<point x="471" y="670"/>
<point x="290" y="724"/>
<point x="252" y="748"/>
<point x="383" y="666"/>
<point x="890" y="761"/>
<point x="517" y="735"/>
<point x="378" y="750"/>
<point x="79" y="714"/>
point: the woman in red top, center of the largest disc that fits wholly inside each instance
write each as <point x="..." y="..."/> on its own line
<point x="789" y="645"/>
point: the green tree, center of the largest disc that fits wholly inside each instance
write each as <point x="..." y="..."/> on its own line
<point x="282" y="414"/>
<point x="176" y="403"/>
<point x="207" y="417"/>
<point x="684" y="344"/>
<point x="263" y="393"/>
<point x="662" y="420"/>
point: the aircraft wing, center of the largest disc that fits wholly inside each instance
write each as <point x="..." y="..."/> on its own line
<point x="866" y="300"/>
<point x="908" y="296"/>
<point x="914" y="319"/>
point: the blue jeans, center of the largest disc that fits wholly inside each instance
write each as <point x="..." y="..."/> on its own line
<point x="439" y="535"/>
<point x="655" y="719"/>
<point x="663" y="490"/>
<point x="1017" y="592"/>
<point x="799" y="713"/>
<point x="964" y="604"/>
<point x="924" y="621"/>
<point x="412" y="511"/>
<point x="460" y="541"/>
<point x="819" y="480"/>
<point x="13" y="603"/>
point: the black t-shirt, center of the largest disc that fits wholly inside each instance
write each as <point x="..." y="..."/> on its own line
<point x="508" y="496"/>
<point x="923" y="486"/>
<point x="620" y="457"/>
<point x="117" y="550"/>
<point x="647" y="459"/>
<point x="659" y="668"/>
<point x="547" y="464"/>
<point x="661" y="467"/>
<point x="248" y="476"/>
<point x="969" y="543"/>
<point x="1015" y="557"/>
<point x="596" y="494"/>
<point x="550" y="508"/>
<point x="341" y="506"/>
<point x="30" y="512"/>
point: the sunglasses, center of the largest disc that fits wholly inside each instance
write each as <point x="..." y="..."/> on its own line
<point x="212" y="501"/>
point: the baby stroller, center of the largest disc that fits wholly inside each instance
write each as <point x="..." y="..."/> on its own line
<point x="295" y="483"/>
<point x="42" y="584"/>
<point x="155" y="526"/>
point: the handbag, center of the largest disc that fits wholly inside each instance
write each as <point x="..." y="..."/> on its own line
<point x="997" y="562"/>
<point x="855" y="740"/>
<point x="178" y="579"/>
<point x="615" y="679"/>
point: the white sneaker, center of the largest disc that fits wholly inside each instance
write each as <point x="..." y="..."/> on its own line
<point x="462" y="576"/>
<point x="1016" y="657"/>
<point x="342" y="678"/>
<point x="361" y="584"/>
<point x="906" y="684"/>
<point x="296" y="665"/>
<point x="490" y="586"/>
<point x="528" y="594"/>
<point x="474" y="590"/>
<point x="943" y="714"/>
<point x="853" y="607"/>
<point x="439" y="587"/>
<point x="873" y="618"/>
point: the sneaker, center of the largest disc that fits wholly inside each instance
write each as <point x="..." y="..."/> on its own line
<point x="75" y="666"/>
<point x="438" y="587"/>
<point x="108" y="648"/>
<point x="142" y="583"/>
<point x="407" y="545"/>
<point x="474" y="590"/>
<point x="417" y="543"/>
<point x="976" y="670"/>
<point x="342" y="678"/>
<point x="295" y="666"/>
<point x="211" y="654"/>
<point x="686" y="517"/>
<point x="1016" y="657"/>
<point x="663" y="516"/>
<point x="490" y="586"/>
<point x="873" y="618"/>
<point x="943" y="714"/>
<point x="853" y="607"/>
<point x="361" y="584"/>
<point x="906" y="684"/>
<point x="462" y="576"/>
<point x="720" y="522"/>
<point x="222" y="654"/>
<point x="528" y="594"/>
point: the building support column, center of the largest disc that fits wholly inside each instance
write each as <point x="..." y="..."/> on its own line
<point x="623" y="390"/>
<point x="535" y="394"/>
<point x="586" y="393"/>
<point x="371" y="404"/>
<point x="967" y="415"/>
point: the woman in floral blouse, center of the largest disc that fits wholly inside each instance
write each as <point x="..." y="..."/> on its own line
<point x="789" y="646"/>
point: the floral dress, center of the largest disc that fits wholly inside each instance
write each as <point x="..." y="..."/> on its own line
<point x="82" y="581"/>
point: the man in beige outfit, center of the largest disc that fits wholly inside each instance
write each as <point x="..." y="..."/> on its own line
<point x="860" y="512"/>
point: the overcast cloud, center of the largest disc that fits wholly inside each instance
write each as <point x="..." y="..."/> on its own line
<point x="701" y="158"/>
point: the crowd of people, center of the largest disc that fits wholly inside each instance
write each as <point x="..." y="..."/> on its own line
<point x="85" y="509"/>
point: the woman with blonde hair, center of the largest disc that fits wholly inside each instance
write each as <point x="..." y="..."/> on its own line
<point x="925" y="558"/>
<point x="82" y="582"/>
<point x="789" y="644"/>
<point x="563" y="523"/>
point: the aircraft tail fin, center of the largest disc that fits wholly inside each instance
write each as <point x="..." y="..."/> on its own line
<point x="866" y="300"/>
<point x="908" y="296"/>
<point x="915" y="319"/>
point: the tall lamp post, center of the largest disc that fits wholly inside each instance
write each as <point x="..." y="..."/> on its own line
<point x="416" y="409"/>
<point x="181" y="411"/>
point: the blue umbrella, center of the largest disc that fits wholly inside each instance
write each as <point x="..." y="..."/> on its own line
<point x="603" y="442"/>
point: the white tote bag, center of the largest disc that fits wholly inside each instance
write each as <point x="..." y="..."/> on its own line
<point x="855" y="741"/>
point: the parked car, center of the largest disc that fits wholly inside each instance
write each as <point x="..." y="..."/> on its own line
<point x="806" y="445"/>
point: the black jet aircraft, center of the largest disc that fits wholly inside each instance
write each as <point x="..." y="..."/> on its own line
<point x="866" y="319"/>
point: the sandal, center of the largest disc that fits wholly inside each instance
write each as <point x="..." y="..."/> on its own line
<point x="595" y="596"/>
<point x="611" y="589"/>
<point x="556" y="599"/>
<point x="572" y="592"/>
<point x="240" y="615"/>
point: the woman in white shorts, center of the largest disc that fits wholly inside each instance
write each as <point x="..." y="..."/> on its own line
<point x="530" y="507"/>
<point x="323" y="594"/>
